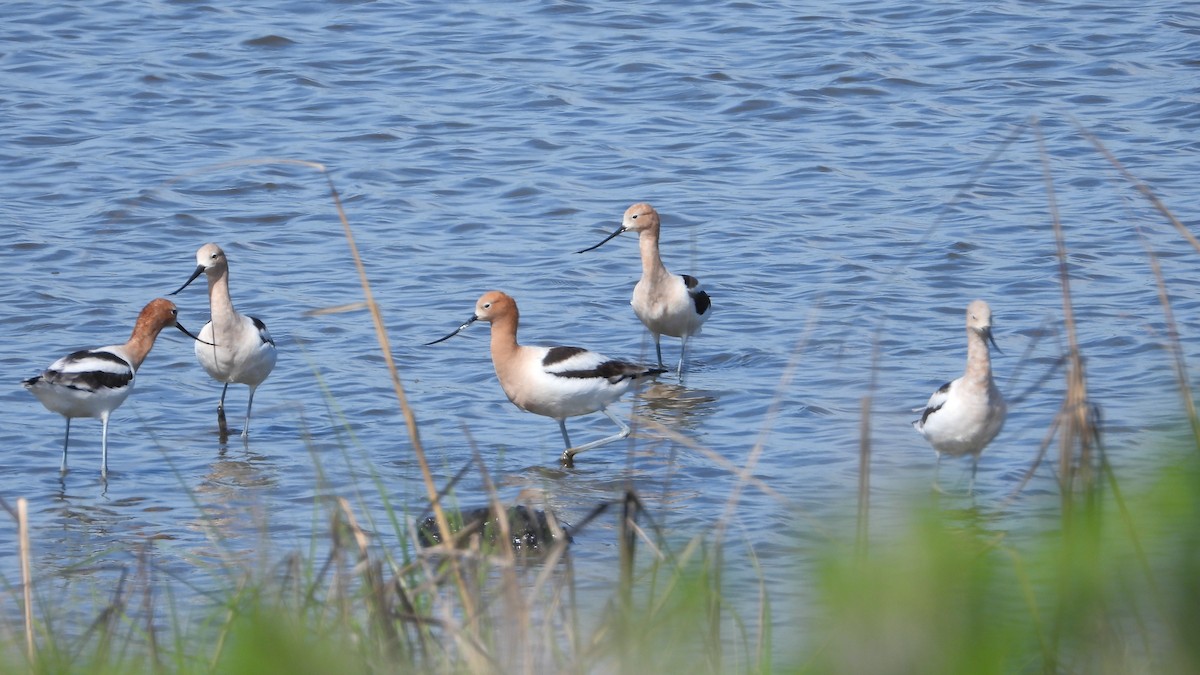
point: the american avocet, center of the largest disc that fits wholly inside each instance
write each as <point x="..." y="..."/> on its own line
<point x="558" y="382"/>
<point x="964" y="415"/>
<point x="668" y="304"/>
<point x="239" y="349"/>
<point x="95" y="382"/>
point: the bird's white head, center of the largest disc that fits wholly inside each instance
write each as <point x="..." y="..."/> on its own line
<point x="979" y="320"/>
<point x="211" y="258"/>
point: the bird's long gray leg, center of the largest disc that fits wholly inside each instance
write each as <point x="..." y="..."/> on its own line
<point x="569" y="454"/>
<point x="104" y="446"/>
<point x="66" y="440"/>
<point x="221" y="427"/>
<point x="246" y="428"/>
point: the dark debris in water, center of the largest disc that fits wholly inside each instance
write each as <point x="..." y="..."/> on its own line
<point x="530" y="528"/>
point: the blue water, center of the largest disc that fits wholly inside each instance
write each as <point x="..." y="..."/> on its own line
<point x="836" y="175"/>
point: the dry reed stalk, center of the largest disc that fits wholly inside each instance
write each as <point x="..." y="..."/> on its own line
<point x="684" y="441"/>
<point x="381" y="335"/>
<point x="1164" y="299"/>
<point x="1138" y="184"/>
<point x="26" y="577"/>
<point x="1174" y="344"/>
<point x="557" y="554"/>
<point x="745" y="476"/>
<point x="517" y="611"/>
<point x="627" y="547"/>
<point x="1173" y="341"/>
<point x="378" y="608"/>
<point x="1078" y="429"/>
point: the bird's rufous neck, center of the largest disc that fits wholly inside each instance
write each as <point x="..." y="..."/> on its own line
<point x="142" y="340"/>
<point x="504" y="338"/>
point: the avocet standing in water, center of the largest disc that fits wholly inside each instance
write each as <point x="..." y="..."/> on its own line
<point x="558" y="382"/>
<point x="237" y="348"/>
<point x="95" y="382"/>
<point x="668" y="304"/>
<point x="964" y="415"/>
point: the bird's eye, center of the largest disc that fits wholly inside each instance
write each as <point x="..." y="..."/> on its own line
<point x="487" y="305"/>
<point x="635" y="216"/>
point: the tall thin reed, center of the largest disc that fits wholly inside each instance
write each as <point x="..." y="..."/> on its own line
<point x="1173" y="341"/>
<point x="1139" y="185"/>
<point x="26" y="577"/>
<point x="381" y="335"/>
<point x="1172" y="329"/>
<point x="627" y="540"/>
<point x="1076" y="413"/>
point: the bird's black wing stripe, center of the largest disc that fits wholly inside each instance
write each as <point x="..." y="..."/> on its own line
<point x="613" y="371"/>
<point x="262" y="331"/>
<point x="699" y="298"/>
<point x="929" y="411"/>
<point x="560" y="354"/>
<point x="98" y="379"/>
<point x="101" y="355"/>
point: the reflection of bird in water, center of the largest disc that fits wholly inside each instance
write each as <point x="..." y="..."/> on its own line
<point x="228" y="492"/>
<point x="674" y="405"/>
<point x="236" y="474"/>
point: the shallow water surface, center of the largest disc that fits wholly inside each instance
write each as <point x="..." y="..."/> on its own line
<point x="837" y="179"/>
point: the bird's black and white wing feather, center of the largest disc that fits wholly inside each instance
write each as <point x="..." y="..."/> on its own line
<point x="936" y="401"/>
<point x="577" y="362"/>
<point x="699" y="296"/>
<point x="89" y="370"/>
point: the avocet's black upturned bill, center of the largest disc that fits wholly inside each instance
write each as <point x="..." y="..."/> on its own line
<point x="964" y="415"/>
<point x="95" y="382"/>
<point x="668" y="304"/>
<point x="239" y="350"/>
<point x="558" y="382"/>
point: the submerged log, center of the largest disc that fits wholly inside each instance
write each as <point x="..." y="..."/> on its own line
<point x="529" y="528"/>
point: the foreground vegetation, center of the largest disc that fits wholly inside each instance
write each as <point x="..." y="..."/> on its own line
<point x="1115" y="588"/>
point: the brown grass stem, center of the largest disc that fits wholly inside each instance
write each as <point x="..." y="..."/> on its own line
<point x="675" y="437"/>
<point x="384" y="344"/>
<point x="517" y="611"/>
<point x="1138" y="184"/>
<point x="406" y="410"/>
<point x="1075" y="407"/>
<point x="1173" y="342"/>
<point x="627" y="550"/>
